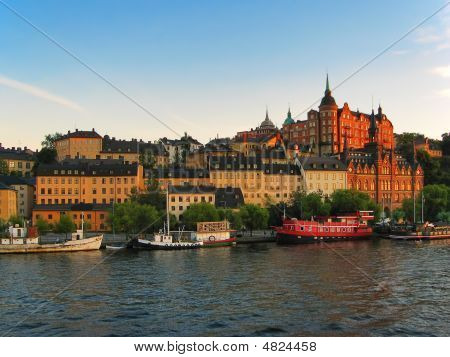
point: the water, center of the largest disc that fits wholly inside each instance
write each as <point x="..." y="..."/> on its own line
<point x="247" y="290"/>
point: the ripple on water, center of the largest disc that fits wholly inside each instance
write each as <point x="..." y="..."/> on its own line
<point x="249" y="290"/>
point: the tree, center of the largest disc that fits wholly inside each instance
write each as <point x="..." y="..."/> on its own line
<point x="152" y="196"/>
<point x="132" y="218"/>
<point x="445" y="144"/>
<point x="231" y="216"/>
<point x="65" y="225"/>
<point x="398" y="215"/>
<point x="46" y="156"/>
<point x="42" y="226"/>
<point x="49" y="140"/>
<point x="405" y="144"/>
<point x="16" y="220"/>
<point x="3" y="167"/>
<point x="254" y="217"/>
<point x="199" y="212"/>
<point x="436" y="201"/>
<point x="350" y="201"/>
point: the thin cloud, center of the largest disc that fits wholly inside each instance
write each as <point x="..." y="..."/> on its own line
<point x="400" y="52"/>
<point x="443" y="71"/>
<point x="39" y="93"/>
<point x="444" y="93"/>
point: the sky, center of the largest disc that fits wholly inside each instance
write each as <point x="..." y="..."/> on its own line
<point x="211" y="67"/>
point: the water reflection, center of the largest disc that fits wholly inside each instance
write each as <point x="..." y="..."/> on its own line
<point x="247" y="290"/>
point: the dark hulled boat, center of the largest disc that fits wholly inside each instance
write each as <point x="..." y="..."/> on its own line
<point x="328" y="229"/>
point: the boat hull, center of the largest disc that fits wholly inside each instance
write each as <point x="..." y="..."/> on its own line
<point x="150" y="245"/>
<point x="219" y="243"/>
<point x="418" y="237"/>
<point x="289" y="238"/>
<point x="92" y="243"/>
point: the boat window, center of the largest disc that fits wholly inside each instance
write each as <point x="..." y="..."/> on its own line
<point x="302" y="228"/>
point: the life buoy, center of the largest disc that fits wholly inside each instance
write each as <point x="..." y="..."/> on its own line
<point x="212" y="238"/>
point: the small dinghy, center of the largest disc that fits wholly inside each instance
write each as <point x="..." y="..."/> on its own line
<point x="116" y="247"/>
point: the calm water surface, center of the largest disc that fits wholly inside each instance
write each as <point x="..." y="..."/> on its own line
<point x="248" y="290"/>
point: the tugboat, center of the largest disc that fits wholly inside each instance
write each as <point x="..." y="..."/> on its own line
<point x="215" y="234"/>
<point x="426" y="231"/>
<point x="327" y="229"/>
<point x="164" y="240"/>
<point x="25" y="240"/>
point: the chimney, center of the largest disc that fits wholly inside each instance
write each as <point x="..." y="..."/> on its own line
<point x="93" y="129"/>
<point x="76" y="129"/>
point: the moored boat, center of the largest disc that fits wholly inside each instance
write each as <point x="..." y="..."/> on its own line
<point x="328" y="229"/>
<point x="215" y="234"/>
<point x="427" y="231"/>
<point x="21" y="242"/>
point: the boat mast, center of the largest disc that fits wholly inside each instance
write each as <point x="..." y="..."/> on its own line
<point x="423" y="201"/>
<point x="167" y="209"/>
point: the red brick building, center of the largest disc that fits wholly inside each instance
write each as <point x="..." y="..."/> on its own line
<point x="386" y="176"/>
<point x="324" y="130"/>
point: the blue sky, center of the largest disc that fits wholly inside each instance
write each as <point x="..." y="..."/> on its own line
<point x="209" y="67"/>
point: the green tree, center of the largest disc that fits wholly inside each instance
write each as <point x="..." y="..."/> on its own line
<point x="305" y="206"/>
<point x="49" y="140"/>
<point x="65" y="225"/>
<point x="254" y="217"/>
<point x="398" y="215"/>
<point x="132" y="218"/>
<point x="152" y="196"/>
<point x="16" y="220"/>
<point x="42" y="226"/>
<point x="350" y="201"/>
<point x="200" y="212"/>
<point x="45" y="156"/>
<point x="445" y="144"/>
<point x="3" y="168"/>
<point x="405" y="144"/>
<point x="231" y="216"/>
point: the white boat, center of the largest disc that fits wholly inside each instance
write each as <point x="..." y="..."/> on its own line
<point x="19" y="242"/>
<point x="164" y="240"/>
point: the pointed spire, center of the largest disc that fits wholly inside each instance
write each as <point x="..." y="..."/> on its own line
<point x="328" y="85"/>
<point x="267" y="113"/>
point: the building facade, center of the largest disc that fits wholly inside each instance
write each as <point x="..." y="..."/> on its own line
<point x="87" y="181"/>
<point x="8" y="202"/>
<point x="324" y="131"/>
<point x="25" y="193"/>
<point x="79" y="144"/>
<point x="94" y="217"/>
<point x="18" y="161"/>
<point x="323" y="175"/>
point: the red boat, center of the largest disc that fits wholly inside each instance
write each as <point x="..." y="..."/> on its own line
<point x="326" y="229"/>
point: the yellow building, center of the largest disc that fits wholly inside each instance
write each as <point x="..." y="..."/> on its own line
<point x="95" y="216"/>
<point x="181" y="197"/>
<point x="79" y="144"/>
<point x="87" y="181"/>
<point x="259" y="182"/>
<point x="25" y="193"/>
<point x="8" y="202"/>
<point x="323" y="174"/>
<point x="19" y="162"/>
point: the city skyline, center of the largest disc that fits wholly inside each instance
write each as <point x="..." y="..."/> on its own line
<point x="198" y="65"/>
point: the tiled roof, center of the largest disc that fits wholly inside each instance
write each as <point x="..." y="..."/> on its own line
<point x="229" y="197"/>
<point x="81" y="134"/>
<point x="322" y="163"/>
<point x="72" y="207"/>
<point x="5" y="187"/>
<point x="14" y="180"/>
<point x="15" y="155"/>
<point x="191" y="189"/>
<point x="88" y="168"/>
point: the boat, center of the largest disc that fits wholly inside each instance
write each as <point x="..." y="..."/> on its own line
<point x="326" y="229"/>
<point x="426" y="231"/>
<point x="163" y="240"/>
<point x="23" y="240"/>
<point x="116" y="247"/>
<point x="215" y="234"/>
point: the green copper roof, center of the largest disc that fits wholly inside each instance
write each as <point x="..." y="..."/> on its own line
<point x="289" y="119"/>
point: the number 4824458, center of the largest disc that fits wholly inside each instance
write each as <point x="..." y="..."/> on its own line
<point x="289" y="346"/>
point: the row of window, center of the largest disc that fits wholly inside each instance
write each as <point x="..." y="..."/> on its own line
<point x="75" y="191"/>
<point x="57" y="201"/>
<point x="94" y="180"/>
